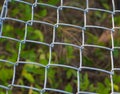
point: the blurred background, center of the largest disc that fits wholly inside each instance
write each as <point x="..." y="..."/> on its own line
<point x="60" y="78"/>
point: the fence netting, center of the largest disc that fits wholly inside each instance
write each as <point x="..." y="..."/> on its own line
<point x="51" y="55"/>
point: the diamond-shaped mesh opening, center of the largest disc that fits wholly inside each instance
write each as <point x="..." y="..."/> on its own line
<point x="69" y="78"/>
<point x="8" y="50"/>
<point x="16" y="10"/>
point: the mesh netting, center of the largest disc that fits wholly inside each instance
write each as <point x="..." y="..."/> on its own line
<point x="60" y="34"/>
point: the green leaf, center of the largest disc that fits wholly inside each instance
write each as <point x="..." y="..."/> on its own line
<point x="69" y="52"/>
<point x="27" y="11"/>
<point x="85" y="82"/>
<point x="43" y="12"/>
<point x="28" y="76"/>
<point x="35" y="92"/>
<point x="106" y="6"/>
<point x="29" y="55"/>
<point x="6" y="74"/>
<point x="87" y="61"/>
<point x="36" y="34"/>
<point x="69" y="74"/>
<point x="116" y="87"/>
<point x="39" y="34"/>
<point x="53" y="2"/>
<point x="116" y="53"/>
<point x="116" y="78"/>
<point x="69" y="88"/>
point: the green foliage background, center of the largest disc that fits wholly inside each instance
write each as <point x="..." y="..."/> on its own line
<point x="65" y="79"/>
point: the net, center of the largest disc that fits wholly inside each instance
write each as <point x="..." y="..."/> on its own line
<point x="16" y="31"/>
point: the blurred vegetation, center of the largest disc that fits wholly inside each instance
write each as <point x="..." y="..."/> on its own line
<point x="59" y="78"/>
